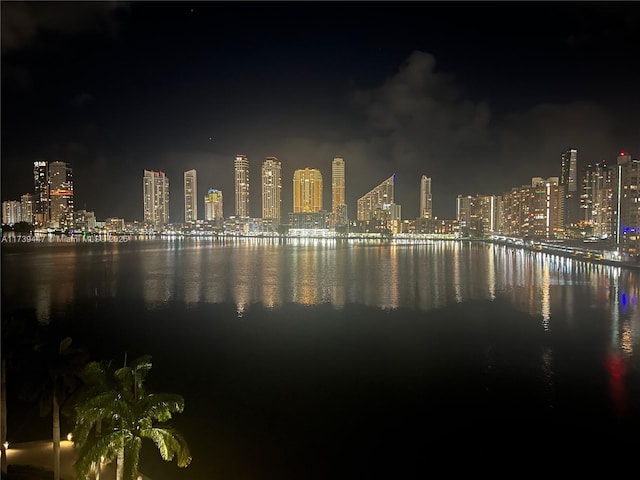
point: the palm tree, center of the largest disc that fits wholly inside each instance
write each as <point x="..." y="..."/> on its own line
<point x="18" y="337"/>
<point x="119" y="401"/>
<point x="55" y="378"/>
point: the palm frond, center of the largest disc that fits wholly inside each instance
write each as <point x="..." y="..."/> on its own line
<point x="170" y="443"/>
<point x="160" y="406"/>
<point x="98" y="449"/>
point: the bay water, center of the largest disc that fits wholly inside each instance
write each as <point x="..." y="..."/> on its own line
<point x="326" y="358"/>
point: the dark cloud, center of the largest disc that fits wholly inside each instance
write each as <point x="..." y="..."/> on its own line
<point x="421" y="119"/>
<point x="22" y="22"/>
<point x="421" y="123"/>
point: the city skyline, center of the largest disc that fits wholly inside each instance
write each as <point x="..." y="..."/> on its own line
<point x="575" y="181"/>
<point x="477" y="106"/>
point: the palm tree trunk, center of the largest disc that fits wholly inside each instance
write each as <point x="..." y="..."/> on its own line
<point x="120" y="464"/>
<point x="3" y="417"/>
<point x="56" y="438"/>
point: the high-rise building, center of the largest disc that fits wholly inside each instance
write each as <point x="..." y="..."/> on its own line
<point x="596" y="199"/>
<point x="61" y="195"/>
<point x="426" y="207"/>
<point x="156" y="200"/>
<point x="627" y="201"/>
<point x="241" y="166"/>
<point x="479" y="215"/>
<point x="271" y="190"/>
<point x="190" y="196"/>
<point x="214" y="207"/>
<point x="546" y="207"/>
<point x="42" y="210"/>
<point x="569" y="187"/>
<point x="338" y="192"/>
<point x="377" y="204"/>
<point x="307" y="190"/>
<point x="11" y="212"/>
<point x="26" y="204"/>
<point x="534" y="210"/>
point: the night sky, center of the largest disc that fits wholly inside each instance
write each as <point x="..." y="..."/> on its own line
<point x="478" y="96"/>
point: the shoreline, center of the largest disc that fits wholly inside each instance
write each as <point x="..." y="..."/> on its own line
<point x="599" y="256"/>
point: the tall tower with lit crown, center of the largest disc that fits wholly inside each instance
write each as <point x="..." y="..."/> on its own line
<point x="214" y="207"/>
<point x="42" y="205"/>
<point x="190" y="196"/>
<point x="271" y="189"/>
<point x="426" y="208"/>
<point x="241" y="165"/>
<point x="338" y="192"/>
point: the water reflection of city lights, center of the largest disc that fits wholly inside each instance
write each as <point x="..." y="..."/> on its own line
<point x="545" y="287"/>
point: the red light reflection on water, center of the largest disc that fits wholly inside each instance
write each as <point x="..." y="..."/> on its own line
<point x="617" y="370"/>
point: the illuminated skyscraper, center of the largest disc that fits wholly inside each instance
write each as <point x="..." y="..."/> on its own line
<point x="307" y="190"/>
<point x="11" y="212"/>
<point x="155" y="199"/>
<point x="214" y="207"/>
<point x="42" y="205"/>
<point x="271" y="189"/>
<point x="242" y="185"/>
<point x="627" y="200"/>
<point x="569" y="187"/>
<point x="190" y="196"/>
<point x="26" y="204"/>
<point x="61" y="195"/>
<point x="338" y="192"/>
<point x="596" y="198"/>
<point x="378" y="204"/>
<point x="426" y="208"/>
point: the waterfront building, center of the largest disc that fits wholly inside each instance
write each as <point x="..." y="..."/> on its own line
<point x="42" y="212"/>
<point x="307" y="190"/>
<point x="241" y="167"/>
<point x="627" y="200"/>
<point x="26" y="206"/>
<point x="467" y="216"/>
<point x="376" y="204"/>
<point x="596" y="199"/>
<point x="426" y="199"/>
<point x="534" y="210"/>
<point x="155" y="200"/>
<point x="11" y="212"/>
<point x="309" y="221"/>
<point x="272" y="190"/>
<point x="214" y="207"/>
<point x="479" y="215"/>
<point x="515" y="207"/>
<point x="61" y="195"/>
<point x="377" y="210"/>
<point x="190" y="196"/>
<point x="338" y="192"/>
<point x="85" y="221"/>
<point x="569" y="187"/>
<point x="547" y="200"/>
<point x="114" y="225"/>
